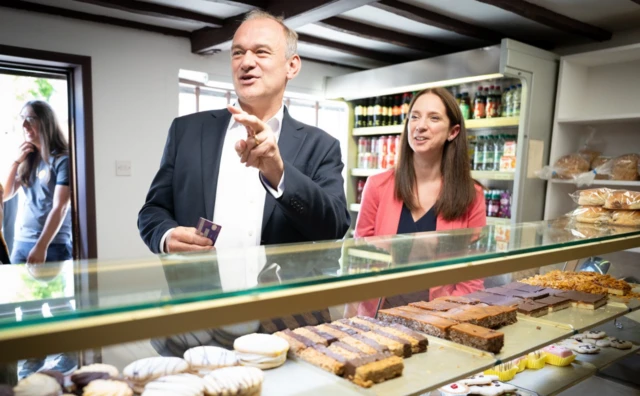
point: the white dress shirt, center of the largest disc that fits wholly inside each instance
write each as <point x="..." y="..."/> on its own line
<point x="240" y="194"/>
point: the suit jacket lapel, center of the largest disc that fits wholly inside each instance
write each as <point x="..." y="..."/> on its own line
<point x="292" y="136"/>
<point x="212" y="138"/>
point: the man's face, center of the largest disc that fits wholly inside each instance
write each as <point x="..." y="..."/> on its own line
<point x="260" y="68"/>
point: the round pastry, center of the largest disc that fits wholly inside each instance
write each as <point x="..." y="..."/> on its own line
<point x="6" y="390"/>
<point x="455" y="389"/>
<point x="620" y="344"/>
<point x="263" y="351"/>
<point x="583" y="348"/>
<point x="146" y="370"/>
<point x="98" y="368"/>
<point x="38" y="385"/>
<point x="83" y="379"/>
<point x="237" y="381"/>
<point x="595" y="334"/>
<point x="603" y="343"/>
<point x="55" y="375"/>
<point x="204" y="359"/>
<point x="579" y="336"/>
<point x="496" y="388"/>
<point x="107" y="388"/>
<point x="179" y="384"/>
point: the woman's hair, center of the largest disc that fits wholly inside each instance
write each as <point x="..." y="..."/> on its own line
<point x="52" y="141"/>
<point x="458" y="191"/>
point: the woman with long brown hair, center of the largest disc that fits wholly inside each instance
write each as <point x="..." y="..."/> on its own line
<point x="431" y="188"/>
<point x="41" y="169"/>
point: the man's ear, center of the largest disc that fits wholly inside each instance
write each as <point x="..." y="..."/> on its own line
<point x="294" y="64"/>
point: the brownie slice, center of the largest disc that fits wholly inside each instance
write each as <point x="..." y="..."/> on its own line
<point x="297" y="342"/>
<point x="417" y="341"/>
<point x="435" y="305"/>
<point x="530" y="295"/>
<point x="398" y="346"/>
<point x="496" y="300"/>
<point x="584" y="300"/>
<point x="336" y="331"/>
<point x="555" y="303"/>
<point x="430" y="324"/>
<point x="329" y="338"/>
<point x="314" y="336"/>
<point x="501" y="291"/>
<point x="496" y="316"/>
<point x="466" y="314"/>
<point x="478" y="295"/>
<point x="477" y="337"/>
<point x="467" y="299"/>
<point x="373" y="369"/>
<point x="533" y="308"/>
<point x="321" y="356"/>
<point x="364" y="344"/>
<point x="360" y="328"/>
<point x="346" y="350"/>
<point x="523" y="287"/>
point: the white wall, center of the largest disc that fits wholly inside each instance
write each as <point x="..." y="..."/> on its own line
<point x="135" y="97"/>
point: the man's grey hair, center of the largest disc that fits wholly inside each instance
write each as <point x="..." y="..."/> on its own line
<point x="290" y="35"/>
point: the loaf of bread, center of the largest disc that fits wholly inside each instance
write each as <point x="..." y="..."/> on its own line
<point x="591" y="197"/>
<point x="622" y="199"/>
<point x="570" y="165"/>
<point x="592" y="214"/>
<point x="628" y="218"/>
<point x="625" y="167"/>
<point x="589" y="155"/>
<point x="598" y="162"/>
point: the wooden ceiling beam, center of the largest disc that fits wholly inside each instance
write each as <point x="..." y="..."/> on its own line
<point x="245" y="5"/>
<point x="295" y="13"/>
<point x="353" y="50"/>
<point x="156" y="10"/>
<point x="421" y="15"/>
<point x="44" y="9"/>
<point x="550" y="18"/>
<point x="384" y="35"/>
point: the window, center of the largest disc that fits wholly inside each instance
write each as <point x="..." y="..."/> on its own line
<point x="212" y="99"/>
<point x="187" y="102"/>
<point x="303" y="111"/>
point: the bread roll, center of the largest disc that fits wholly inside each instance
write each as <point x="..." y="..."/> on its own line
<point x="629" y="218"/>
<point x="599" y="161"/>
<point x="625" y="167"/>
<point x="592" y="214"/>
<point x="589" y="155"/>
<point x="622" y="199"/>
<point x="593" y="196"/>
<point x="570" y="165"/>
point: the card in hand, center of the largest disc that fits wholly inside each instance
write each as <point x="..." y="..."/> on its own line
<point x="209" y="229"/>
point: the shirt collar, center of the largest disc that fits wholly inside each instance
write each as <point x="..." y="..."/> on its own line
<point x="274" y="122"/>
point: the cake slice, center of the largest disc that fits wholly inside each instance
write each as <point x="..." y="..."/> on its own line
<point x="467" y="299"/>
<point x="398" y="346"/>
<point x="418" y="342"/>
<point x="496" y="316"/>
<point x="466" y="314"/>
<point x="373" y="369"/>
<point x="364" y="344"/>
<point x="555" y="303"/>
<point x="477" y="337"/>
<point x="328" y="338"/>
<point x="346" y="350"/>
<point x="523" y="287"/>
<point x="435" y="305"/>
<point x="533" y="308"/>
<point x="430" y="324"/>
<point x="360" y="328"/>
<point x="496" y="300"/>
<point x="314" y="336"/>
<point x="323" y="357"/>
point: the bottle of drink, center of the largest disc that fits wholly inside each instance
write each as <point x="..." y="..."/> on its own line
<point x="370" y="112"/>
<point x="357" y="113"/>
<point x="495" y="203"/>
<point x="362" y="145"/>
<point x="499" y="151"/>
<point x="505" y="205"/>
<point x="377" y="112"/>
<point x="471" y="144"/>
<point x="498" y="100"/>
<point x="391" y="145"/>
<point x="517" y="100"/>
<point x="512" y="92"/>
<point x="487" y="201"/>
<point x="490" y="103"/>
<point x="386" y="111"/>
<point x="465" y="108"/>
<point x="359" y="190"/>
<point x="504" y="102"/>
<point x="487" y="155"/>
<point x="479" y="104"/>
<point x="458" y="98"/>
<point x="406" y="101"/>
<point x="397" y="110"/>
<point x="373" y="145"/>
<point x="478" y="163"/>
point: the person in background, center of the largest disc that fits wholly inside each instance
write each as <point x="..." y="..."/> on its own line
<point x="431" y="188"/>
<point x="262" y="176"/>
<point x="41" y="170"/>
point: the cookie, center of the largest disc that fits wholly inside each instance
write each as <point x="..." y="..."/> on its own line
<point x="98" y="368"/>
<point x="579" y="336"/>
<point x="204" y="359"/>
<point x="263" y="351"/>
<point x="146" y="370"/>
<point x="179" y="384"/>
<point x="496" y="388"/>
<point x="595" y="334"/>
<point x="237" y="381"/>
<point x="480" y="379"/>
<point x="38" y="385"/>
<point x="107" y="388"/>
<point x="582" y="347"/>
<point x="620" y="344"/>
<point x="454" y="389"/>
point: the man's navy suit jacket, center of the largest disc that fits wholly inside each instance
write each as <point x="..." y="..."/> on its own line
<point x="313" y="206"/>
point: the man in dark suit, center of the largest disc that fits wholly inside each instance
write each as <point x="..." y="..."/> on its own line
<point x="298" y="165"/>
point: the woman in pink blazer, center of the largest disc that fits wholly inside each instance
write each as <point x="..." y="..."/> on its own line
<point x="431" y="188"/>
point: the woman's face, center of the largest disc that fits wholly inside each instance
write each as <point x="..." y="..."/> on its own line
<point x="30" y="125"/>
<point x="428" y="127"/>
